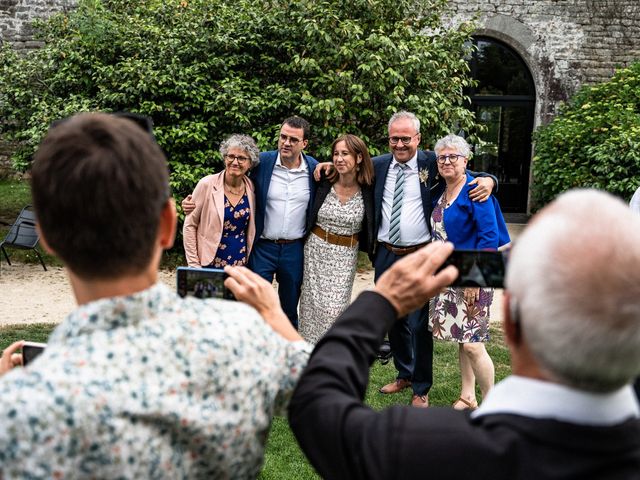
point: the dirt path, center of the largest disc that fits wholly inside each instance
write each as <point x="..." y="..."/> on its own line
<point x="28" y="294"/>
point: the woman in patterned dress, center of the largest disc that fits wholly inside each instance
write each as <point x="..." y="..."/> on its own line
<point x="340" y="223"/>
<point x="221" y="228"/>
<point x="462" y="314"/>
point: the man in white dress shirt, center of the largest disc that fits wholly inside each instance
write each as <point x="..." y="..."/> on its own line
<point x="411" y="341"/>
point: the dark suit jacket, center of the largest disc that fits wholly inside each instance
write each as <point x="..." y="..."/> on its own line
<point x="433" y="186"/>
<point x="344" y="439"/>
<point x="367" y="234"/>
<point x="261" y="177"/>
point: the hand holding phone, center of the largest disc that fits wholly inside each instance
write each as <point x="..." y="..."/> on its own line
<point x="10" y="358"/>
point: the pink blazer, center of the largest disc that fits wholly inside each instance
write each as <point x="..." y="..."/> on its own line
<point x="202" y="228"/>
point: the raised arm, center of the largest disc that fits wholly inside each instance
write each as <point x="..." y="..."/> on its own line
<point x="343" y="438"/>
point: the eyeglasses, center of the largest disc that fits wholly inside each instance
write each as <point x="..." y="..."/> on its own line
<point x="452" y="158"/>
<point x="239" y="159"/>
<point x="404" y="140"/>
<point x="292" y="140"/>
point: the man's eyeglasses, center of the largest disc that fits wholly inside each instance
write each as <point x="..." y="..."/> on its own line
<point x="404" y="140"/>
<point x="292" y="140"/>
<point x="452" y="158"/>
<point x="239" y="158"/>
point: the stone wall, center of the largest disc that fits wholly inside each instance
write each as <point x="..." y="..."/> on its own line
<point x="566" y="43"/>
<point x="16" y="17"/>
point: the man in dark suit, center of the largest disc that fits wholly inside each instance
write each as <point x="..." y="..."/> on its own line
<point x="410" y="338"/>
<point x="284" y="194"/>
<point x="285" y="191"/>
<point x="572" y="324"/>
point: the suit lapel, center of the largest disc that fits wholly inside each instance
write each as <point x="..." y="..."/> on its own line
<point x="381" y="167"/>
<point x="218" y="196"/>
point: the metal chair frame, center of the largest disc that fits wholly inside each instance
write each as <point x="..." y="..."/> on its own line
<point x="23" y="235"/>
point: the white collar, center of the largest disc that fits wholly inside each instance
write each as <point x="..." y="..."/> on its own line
<point x="413" y="163"/>
<point x="302" y="168"/>
<point x="538" y="399"/>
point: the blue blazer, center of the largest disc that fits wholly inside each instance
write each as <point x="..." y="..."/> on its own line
<point x="474" y="225"/>
<point x="261" y="177"/>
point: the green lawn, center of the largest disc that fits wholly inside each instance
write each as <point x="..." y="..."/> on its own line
<point x="283" y="459"/>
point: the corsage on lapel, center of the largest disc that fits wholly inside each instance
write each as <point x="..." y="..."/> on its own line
<point x="423" y="175"/>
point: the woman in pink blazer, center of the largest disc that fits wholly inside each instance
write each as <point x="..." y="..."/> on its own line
<point x="221" y="229"/>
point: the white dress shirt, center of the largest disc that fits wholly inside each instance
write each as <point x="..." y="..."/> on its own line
<point x="287" y="201"/>
<point x="413" y="225"/>
<point x="538" y="399"/>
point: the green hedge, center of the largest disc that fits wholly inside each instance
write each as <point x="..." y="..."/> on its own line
<point x="593" y="142"/>
<point x="203" y="69"/>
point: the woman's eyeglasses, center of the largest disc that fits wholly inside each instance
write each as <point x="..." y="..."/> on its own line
<point x="452" y="158"/>
<point x="236" y="158"/>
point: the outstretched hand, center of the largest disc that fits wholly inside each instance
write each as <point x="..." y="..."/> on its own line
<point x="412" y="280"/>
<point x="10" y="358"/>
<point x="188" y="205"/>
<point x="482" y="189"/>
<point x="252" y="289"/>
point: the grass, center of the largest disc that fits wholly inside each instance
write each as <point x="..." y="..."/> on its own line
<point x="283" y="458"/>
<point x="16" y="194"/>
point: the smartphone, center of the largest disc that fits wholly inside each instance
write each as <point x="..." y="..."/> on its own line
<point x="478" y="268"/>
<point x="202" y="283"/>
<point x="30" y="350"/>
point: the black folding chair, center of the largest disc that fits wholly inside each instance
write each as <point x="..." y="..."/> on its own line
<point x="23" y="234"/>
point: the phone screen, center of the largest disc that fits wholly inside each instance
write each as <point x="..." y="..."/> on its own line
<point x="478" y="268"/>
<point x="30" y="350"/>
<point x="202" y="283"/>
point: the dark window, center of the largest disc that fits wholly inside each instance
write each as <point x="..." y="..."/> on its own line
<point x="504" y="102"/>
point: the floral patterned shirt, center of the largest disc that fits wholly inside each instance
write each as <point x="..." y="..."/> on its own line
<point x="148" y="386"/>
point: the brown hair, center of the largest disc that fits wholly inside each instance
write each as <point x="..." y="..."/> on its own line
<point x="99" y="184"/>
<point x="356" y="146"/>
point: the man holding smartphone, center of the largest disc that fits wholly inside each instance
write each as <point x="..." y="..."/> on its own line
<point x="137" y="382"/>
<point x="571" y="321"/>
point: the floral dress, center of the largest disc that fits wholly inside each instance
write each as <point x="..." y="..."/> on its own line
<point x="450" y="318"/>
<point x="329" y="270"/>
<point x="232" y="249"/>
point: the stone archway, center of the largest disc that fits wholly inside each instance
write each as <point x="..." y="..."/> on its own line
<point x="504" y="102"/>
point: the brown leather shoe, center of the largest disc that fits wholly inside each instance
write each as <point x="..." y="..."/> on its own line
<point x="420" y="401"/>
<point x="395" y="387"/>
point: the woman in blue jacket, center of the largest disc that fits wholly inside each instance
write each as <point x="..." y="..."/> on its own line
<point x="462" y="314"/>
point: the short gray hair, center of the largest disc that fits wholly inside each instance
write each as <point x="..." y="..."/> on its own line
<point x="455" y="142"/>
<point x="575" y="274"/>
<point x="246" y="143"/>
<point x="404" y="114"/>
